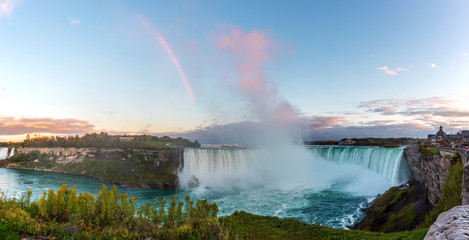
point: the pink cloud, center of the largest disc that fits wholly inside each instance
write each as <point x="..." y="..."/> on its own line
<point x="387" y="71"/>
<point x="250" y="51"/>
<point x="6" y="7"/>
<point x="392" y="72"/>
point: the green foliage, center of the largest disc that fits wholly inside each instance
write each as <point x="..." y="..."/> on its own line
<point x="327" y="142"/>
<point x="404" y="217"/>
<point x="390" y="145"/>
<point x="451" y="193"/>
<point x="67" y="214"/>
<point x="7" y="231"/>
<point x="104" y="140"/>
<point x="393" y="211"/>
<point x="28" y="160"/>
<point x="456" y="158"/>
<point x="423" y="149"/>
<point x="385" y="142"/>
<point x="248" y="226"/>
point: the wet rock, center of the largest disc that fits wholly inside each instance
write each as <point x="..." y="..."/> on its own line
<point x="193" y="183"/>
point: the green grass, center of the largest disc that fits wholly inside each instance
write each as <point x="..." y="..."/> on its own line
<point x="243" y="225"/>
<point x="434" y="151"/>
<point x="391" y="212"/>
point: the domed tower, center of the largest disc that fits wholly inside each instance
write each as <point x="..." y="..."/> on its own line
<point x="441" y="135"/>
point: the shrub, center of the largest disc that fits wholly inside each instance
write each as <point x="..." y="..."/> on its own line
<point x="7" y="230"/>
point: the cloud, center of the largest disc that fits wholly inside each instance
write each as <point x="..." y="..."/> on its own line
<point x="387" y="71"/>
<point x="318" y="122"/>
<point x="436" y="106"/>
<point x="465" y="54"/>
<point x="426" y="111"/>
<point x="74" y="21"/>
<point x="373" y="129"/>
<point x="392" y="72"/>
<point x="6" y="7"/>
<point x="15" y="126"/>
<point x="319" y="128"/>
<point x="409" y="117"/>
<point x="250" y="52"/>
<point x="231" y="133"/>
<point x="432" y="65"/>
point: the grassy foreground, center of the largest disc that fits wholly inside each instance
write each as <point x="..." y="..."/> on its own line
<point x="66" y="214"/>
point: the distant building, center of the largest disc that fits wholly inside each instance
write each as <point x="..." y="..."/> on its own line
<point x="461" y="137"/>
<point x="346" y="142"/>
<point x="465" y="135"/>
<point x="126" y="139"/>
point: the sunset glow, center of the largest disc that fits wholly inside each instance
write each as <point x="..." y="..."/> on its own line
<point x="213" y="70"/>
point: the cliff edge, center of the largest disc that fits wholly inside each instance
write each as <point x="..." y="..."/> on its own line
<point x="144" y="168"/>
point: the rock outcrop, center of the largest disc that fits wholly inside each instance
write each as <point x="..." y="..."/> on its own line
<point x="144" y="168"/>
<point x="452" y="224"/>
<point x="159" y="157"/>
<point x="431" y="170"/>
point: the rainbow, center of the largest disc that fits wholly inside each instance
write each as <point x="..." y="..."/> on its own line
<point x="170" y="52"/>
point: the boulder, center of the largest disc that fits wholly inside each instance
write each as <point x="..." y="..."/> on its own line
<point x="452" y="224"/>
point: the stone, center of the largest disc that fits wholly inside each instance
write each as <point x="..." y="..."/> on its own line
<point x="452" y="224"/>
<point x="431" y="170"/>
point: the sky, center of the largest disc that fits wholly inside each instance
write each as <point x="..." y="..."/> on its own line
<point x="214" y="70"/>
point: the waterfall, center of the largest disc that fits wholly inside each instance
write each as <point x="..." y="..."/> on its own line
<point x="3" y="153"/>
<point x="235" y="167"/>
<point x="390" y="163"/>
<point x="12" y="153"/>
<point x="206" y="163"/>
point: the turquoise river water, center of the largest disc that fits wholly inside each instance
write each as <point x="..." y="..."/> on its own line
<point x="318" y="184"/>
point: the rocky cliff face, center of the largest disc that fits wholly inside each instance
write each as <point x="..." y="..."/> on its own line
<point x="431" y="170"/>
<point x="147" y="168"/>
<point x="159" y="157"/>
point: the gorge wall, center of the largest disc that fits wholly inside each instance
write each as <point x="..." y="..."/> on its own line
<point x="431" y="170"/>
<point x="159" y="157"/>
<point x="146" y="168"/>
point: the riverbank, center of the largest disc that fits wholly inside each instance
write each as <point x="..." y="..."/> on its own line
<point x="134" y="168"/>
<point x="111" y="215"/>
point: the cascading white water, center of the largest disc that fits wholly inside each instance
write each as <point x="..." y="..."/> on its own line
<point x="3" y="153"/>
<point x="12" y="153"/>
<point x="215" y="166"/>
<point x="209" y="163"/>
<point x="390" y="163"/>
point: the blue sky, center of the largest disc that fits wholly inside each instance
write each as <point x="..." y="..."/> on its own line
<point x="348" y="68"/>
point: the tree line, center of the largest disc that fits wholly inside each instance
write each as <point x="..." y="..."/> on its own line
<point x="104" y="140"/>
